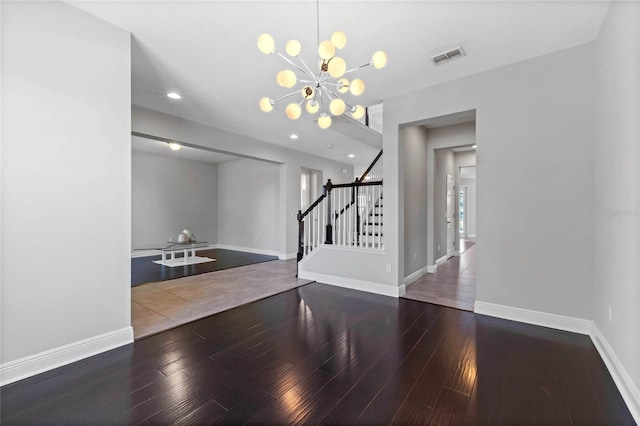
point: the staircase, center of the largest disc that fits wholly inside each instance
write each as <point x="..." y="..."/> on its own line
<point x="346" y="215"/>
<point x="372" y="229"/>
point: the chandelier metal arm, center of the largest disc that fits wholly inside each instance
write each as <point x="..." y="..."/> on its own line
<point x="323" y="78"/>
<point x="293" y="64"/>
<point x="308" y="69"/>
<point x="357" y="68"/>
<point x="286" y="96"/>
<point x="321" y="99"/>
<point x="333" y="95"/>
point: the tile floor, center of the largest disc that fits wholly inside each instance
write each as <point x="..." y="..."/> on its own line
<point x="453" y="284"/>
<point x="163" y="305"/>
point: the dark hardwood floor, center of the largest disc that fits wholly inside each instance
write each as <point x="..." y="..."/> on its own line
<point x="322" y="354"/>
<point x="143" y="270"/>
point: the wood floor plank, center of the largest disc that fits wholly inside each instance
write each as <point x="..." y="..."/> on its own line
<point x="442" y="365"/>
<point x="450" y="408"/>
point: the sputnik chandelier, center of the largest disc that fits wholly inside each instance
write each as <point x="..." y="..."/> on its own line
<point x="317" y="90"/>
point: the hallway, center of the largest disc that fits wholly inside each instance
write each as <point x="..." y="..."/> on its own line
<point x="453" y="284"/>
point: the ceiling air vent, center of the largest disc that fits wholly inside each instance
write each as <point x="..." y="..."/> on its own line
<point x="444" y="57"/>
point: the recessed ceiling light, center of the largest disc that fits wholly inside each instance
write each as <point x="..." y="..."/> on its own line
<point x="473" y="146"/>
<point x="174" y="146"/>
<point x="293" y="136"/>
<point x="174" y="95"/>
<point x="351" y="155"/>
<point x="329" y="146"/>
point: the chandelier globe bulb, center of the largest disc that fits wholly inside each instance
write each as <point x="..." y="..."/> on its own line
<point x="324" y="121"/>
<point x="357" y="112"/>
<point x="379" y="59"/>
<point x="286" y="78"/>
<point x="266" y="44"/>
<point x="343" y="85"/>
<point x="337" y="67"/>
<point x="339" y="39"/>
<point x="356" y="87"/>
<point x="337" y="106"/>
<point x="293" y="111"/>
<point x="312" y="106"/>
<point x="293" y="48"/>
<point x="266" y="104"/>
<point x="326" y="50"/>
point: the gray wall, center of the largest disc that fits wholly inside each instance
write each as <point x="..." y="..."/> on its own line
<point x="541" y="110"/>
<point x="616" y="187"/>
<point x="172" y="194"/>
<point x="444" y="166"/>
<point x="249" y="198"/>
<point x="66" y="183"/>
<point x="414" y="151"/>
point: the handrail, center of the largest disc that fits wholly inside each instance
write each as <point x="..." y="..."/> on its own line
<point x="311" y="207"/>
<point x="354" y="184"/>
<point x="373" y="163"/>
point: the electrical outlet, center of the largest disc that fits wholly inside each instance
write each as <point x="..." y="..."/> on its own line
<point x="388" y="267"/>
<point x="255" y="240"/>
<point x="415" y="257"/>
<point x="610" y="316"/>
<point x="438" y="247"/>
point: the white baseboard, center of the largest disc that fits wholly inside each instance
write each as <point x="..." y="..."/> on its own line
<point x="371" y="287"/>
<point x="287" y="256"/>
<point x="544" y="319"/>
<point x="31" y="365"/>
<point x="432" y="269"/>
<point x="628" y="389"/>
<point x="411" y="278"/>
<point x="249" y="250"/>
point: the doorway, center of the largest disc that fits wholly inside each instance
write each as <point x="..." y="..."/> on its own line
<point x="436" y="209"/>
<point x="450" y="215"/>
<point x="462" y="208"/>
<point x="467" y="205"/>
<point x="310" y="184"/>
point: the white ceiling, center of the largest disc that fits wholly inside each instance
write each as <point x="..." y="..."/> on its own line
<point x="206" y="51"/>
<point x="187" y="153"/>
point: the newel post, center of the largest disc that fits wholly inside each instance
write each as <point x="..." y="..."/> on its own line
<point x="329" y="232"/>
<point x="356" y="200"/>
<point x="300" y="236"/>
<point x="300" y="240"/>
